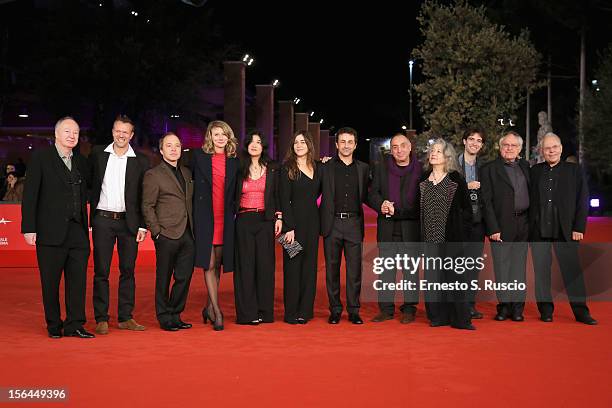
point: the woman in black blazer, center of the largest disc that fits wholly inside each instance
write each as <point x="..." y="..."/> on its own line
<point x="214" y="168"/>
<point x="258" y="221"/>
<point x="446" y="219"/>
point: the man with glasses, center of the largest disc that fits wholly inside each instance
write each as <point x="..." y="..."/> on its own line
<point x="505" y="195"/>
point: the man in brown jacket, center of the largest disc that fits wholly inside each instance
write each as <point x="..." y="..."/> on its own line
<point x="166" y="207"/>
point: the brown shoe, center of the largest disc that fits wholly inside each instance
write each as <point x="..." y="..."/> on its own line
<point x="382" y="316"/>
<point x="102" y="328"/>
<point x="131" y="325"/>
<point x="407" y="318"/>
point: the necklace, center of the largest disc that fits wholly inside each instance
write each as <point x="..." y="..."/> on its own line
<point x="436" y="179"/>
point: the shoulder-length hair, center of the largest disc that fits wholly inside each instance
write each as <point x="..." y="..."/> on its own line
<point x="291" y="158"/>
<point x="245" y="157"/>
<point x="448" y="151"/>
<point x="209" y="147"/>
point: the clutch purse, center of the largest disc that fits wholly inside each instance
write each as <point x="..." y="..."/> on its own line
<point x="292" y="249"/>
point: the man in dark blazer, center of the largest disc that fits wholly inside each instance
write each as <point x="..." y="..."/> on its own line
<point x="558" y="214"/>
<point x="394" y="194"/>
<point x="344" y="190"/>
<point x="54" y="218"/>
<point x="167" y="208"/>
<point x="505" y="195"/>
<point x="116" y="196"/>
<point x="471" y="165"/>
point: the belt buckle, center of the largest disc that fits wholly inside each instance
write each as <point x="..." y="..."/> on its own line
<point x="343" y="215"/>
<point x="115" y="215"/>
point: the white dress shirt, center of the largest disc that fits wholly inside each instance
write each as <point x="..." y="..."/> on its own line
<point x="112" y="196"/>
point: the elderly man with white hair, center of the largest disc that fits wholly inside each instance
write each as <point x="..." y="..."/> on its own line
<point x="558" y="217"/>
<point x="505" y="195"/>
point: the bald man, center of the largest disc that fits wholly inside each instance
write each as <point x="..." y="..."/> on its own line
<point x="558" y="216"/>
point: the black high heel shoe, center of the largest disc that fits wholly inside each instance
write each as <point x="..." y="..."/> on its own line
<point x="206" y="316"/>
<point x="216" y="325"/>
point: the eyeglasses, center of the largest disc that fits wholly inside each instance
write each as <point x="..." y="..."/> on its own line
<point x="510" y="146"/>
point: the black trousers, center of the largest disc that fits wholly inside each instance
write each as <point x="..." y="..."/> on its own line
<point x="446" y="307"/>
<point x="473" y="249"/>
<point x="569" y="264"/>
<point x="345" y="237"/>
<point x="300" y="275"/>
<point x="70" y="258"/>
<point x="105" y="232"/>
<point x="400" y="245"/>
<point x="510" y="261"/>
<point x="254" y="268"/>
<point x="174" y="259"/>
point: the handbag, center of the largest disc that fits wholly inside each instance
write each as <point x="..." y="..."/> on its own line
<point x="292" y="249"/>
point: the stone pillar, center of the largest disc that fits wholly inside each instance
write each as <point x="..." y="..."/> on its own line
<point x="264" y="115"/>
<point x="324" y="144"/>
<point x="233" y="97"/>
<point x="315" y="132"/>
<point x="285" y="128"/>
<point x="301" y="121"/>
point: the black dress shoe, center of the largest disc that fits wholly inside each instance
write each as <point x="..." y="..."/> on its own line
<point x="291" y="321"/>
<point x="182" y="325"/>
<point x="355" y="318"/>
<point x="475" y="314"/>
<point x="169" y="327"/>
<point x="301" y="320"/>
<point x="500" y="317"/>
<point x="334" y="318"/>
<point x="468" y="327"/>
<point x="55" y="333"/>
<point x="80" y="333"/>
<point x="546" y="319"/>
<point x="437" y="324"/>
<point x="588" y="319"/>
<point x="517" y="318"/>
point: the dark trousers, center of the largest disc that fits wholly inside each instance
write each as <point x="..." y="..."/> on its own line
<point x="446" y="307"/>
<point x="569" y="264"/>
<point x="71" y="258"/>
<point x="345" y="237"/>
<point x="509" y="261"/>
<point x="254" y="274"/>
<point x="473" y="249"/>
<point x="400" y="245"/>
<point x="105" y="232"/>
<point x="300" y="276"/>
<point x="174" y="259"/>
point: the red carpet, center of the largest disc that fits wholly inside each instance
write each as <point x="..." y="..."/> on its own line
<point x="501" y="364"/>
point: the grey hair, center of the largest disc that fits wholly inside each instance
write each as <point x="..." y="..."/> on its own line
<point x="513" y="133"/>
<point x="551" y="134"/>
<point x="59" y="122"/>
<point x="449" y="154"/>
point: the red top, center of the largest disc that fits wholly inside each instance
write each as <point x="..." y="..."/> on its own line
<point x="253" y="192"/>
<point x="218" y="196"/>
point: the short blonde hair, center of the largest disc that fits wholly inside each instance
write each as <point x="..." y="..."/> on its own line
<point x="232" y="144"/>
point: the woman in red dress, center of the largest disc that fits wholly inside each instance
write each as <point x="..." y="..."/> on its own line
<point x="214" y="168"/>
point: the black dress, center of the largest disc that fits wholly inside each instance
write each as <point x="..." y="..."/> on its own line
<point x="300" y="213"/>
<point x="445" y="212"/>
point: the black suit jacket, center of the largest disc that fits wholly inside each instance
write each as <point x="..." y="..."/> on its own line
<point x="329" y="189"/>
<point x="271" y="197"/>
<point x="498" y="197"/>
<point x="134" y="172"/>
<point x="571" y="198"/>
<point x="47" y="195"/>
<point x="379" y="192"/>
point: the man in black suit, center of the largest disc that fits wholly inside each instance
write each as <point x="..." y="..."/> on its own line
<point x="505" y="194"/>
<point x="345" y="189"/>
<point x="558" y="213"/>
<point x="116" y="196"/>
<point x="167" y="208"/>
<point x="470" y="166"/>
<point x="54" y="218"/>
<point x="394" y="194"/>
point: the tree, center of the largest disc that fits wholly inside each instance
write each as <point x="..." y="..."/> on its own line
<point x="598" y="119"/>
<point x="475" y="72"/>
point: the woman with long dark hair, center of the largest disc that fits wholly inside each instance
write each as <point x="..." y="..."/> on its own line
<point x="300" y="186"/>
<point x="215" y="167"/>
<point x="258" y="220"/>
